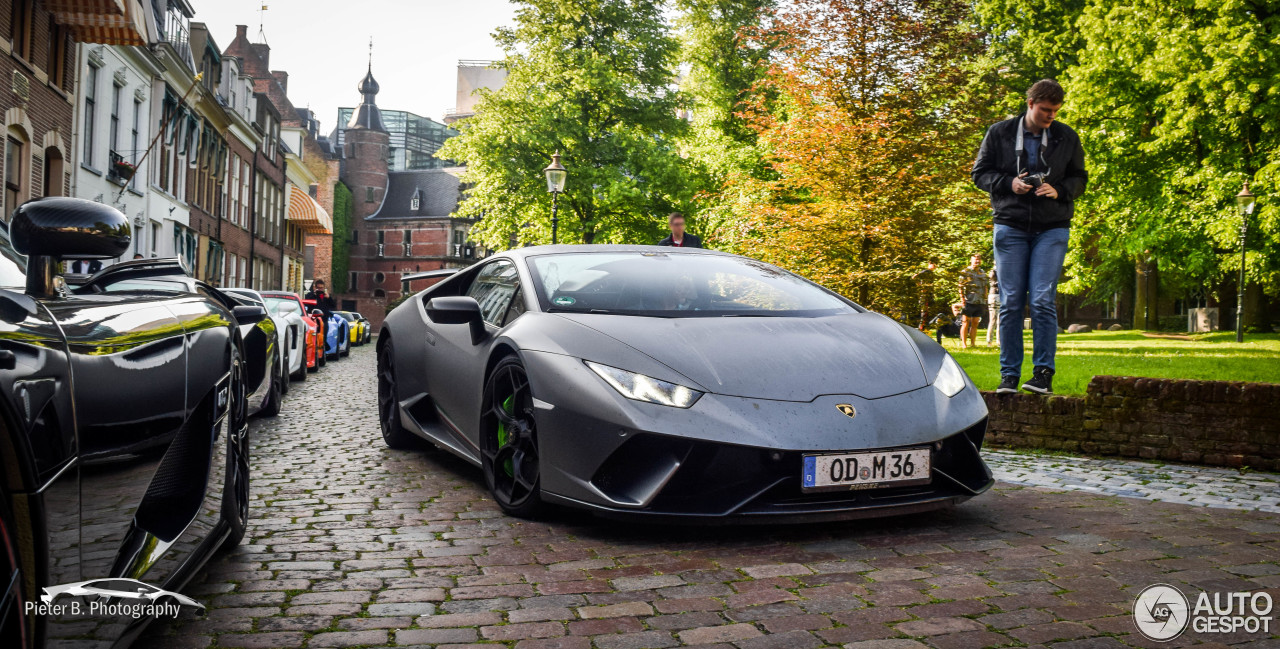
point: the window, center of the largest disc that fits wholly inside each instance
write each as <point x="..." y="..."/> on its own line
<point x="90" y="105"/>
<point x="56" y="61"/>
<point x="155" y="236"/>
<point x="382" y="236"/>
<point x="53" y="184"/>
<point x="20" y="24"/>
<point x="408" y="236"/>
<point x="368" y="195"/>
<point x="115" y="118"/>
<point x="413" y="203"/>
<point x="493" y="288"/>
<point x="133" y="140"/>
<point x="355" y="285"/>
<point x="13" y="155"/>
<point x="379" y="278"/>
<point x="355" y="236"/>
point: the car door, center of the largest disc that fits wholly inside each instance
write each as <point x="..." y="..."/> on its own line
<point x="455" y="370"/>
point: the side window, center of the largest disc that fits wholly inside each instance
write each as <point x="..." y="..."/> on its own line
<point x="493" y="288"/>
<point x="516" y="309"/>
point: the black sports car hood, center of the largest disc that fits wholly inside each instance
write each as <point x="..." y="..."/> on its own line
<point x="786" y="359"/>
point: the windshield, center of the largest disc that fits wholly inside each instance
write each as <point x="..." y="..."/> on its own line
<point x="676" y="286"/>
<point x="13" y="266"/>
<point x="281" y="306"/>
<point x="346" y="316"/>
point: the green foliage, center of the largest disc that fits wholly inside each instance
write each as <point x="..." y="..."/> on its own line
<point x="1176" y="104"/>
<point x="342" y="211"/>
<point x="592" y="80"/>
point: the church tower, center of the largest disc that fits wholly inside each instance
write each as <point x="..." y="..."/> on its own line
<point x="365" y="151"/>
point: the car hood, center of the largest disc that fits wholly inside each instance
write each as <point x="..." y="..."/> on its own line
<point x="787" y="359"/>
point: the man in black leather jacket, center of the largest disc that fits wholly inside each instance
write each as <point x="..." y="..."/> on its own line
<point x="1033" y="168"/>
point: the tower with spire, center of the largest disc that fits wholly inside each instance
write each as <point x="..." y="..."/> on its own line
<point x="366" y="149"/>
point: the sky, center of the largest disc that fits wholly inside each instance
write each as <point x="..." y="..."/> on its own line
<point x="324" y="46"/>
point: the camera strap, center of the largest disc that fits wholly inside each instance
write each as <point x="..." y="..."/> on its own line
<point x="1018" y="146"/>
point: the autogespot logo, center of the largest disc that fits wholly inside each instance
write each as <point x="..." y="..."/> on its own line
<point x="1161" y="612"/>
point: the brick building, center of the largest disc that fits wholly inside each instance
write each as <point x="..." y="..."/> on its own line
<point x="37" y="60"/>
<point x="402" y="220"/>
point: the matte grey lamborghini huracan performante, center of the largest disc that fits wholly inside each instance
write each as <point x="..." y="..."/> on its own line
<point x="678" y="384"/>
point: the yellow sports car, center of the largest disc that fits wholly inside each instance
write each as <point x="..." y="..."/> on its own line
<point x="358" y="326"/>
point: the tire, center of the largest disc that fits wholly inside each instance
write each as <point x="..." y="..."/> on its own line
<point x="284" y="373"/>
<point x="15" y="632"/>
<point x="393" y="431"/>
<point x="235" y="488"/>
<point x="271" y="407"/>
<point x="509" y="441"/>
<point x="301" y="374"/>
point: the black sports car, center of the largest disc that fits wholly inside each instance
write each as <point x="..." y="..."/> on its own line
<point x="681" y="384"/>
<point x="122" y="425"/>
<point x="265" y="375"/>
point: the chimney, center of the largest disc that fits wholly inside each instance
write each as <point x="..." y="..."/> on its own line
<point x="263" y="51"/>
<point x="242" y="31"/>
<point x="282" y="78"/>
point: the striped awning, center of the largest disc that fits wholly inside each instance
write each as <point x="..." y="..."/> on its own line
<point x="108" y="22"/>
<point x="305" y="212"/>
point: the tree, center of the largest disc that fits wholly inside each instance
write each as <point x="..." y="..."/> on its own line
<point x="725" y="46"/>
<point x="1176" y="103"/>
<point x="593" y="80"/>
<point x="871" y="114"/>
<point x="341" y="257"/>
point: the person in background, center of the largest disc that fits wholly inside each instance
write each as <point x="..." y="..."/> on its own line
<point x="993" y="306"/>
<point x="973" y="290"/>
<point x="679" y="238"/>
<point x="324" y="301"/>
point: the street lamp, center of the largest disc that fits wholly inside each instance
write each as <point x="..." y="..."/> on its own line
<point x="556" y="174"/>
<point x="1245" y="201"/>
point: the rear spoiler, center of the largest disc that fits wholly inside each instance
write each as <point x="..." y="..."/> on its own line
<point x="430" y="274"/>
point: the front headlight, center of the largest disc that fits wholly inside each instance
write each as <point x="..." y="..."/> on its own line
<point x="950" y="379"/>
<point x="645" y="388"/>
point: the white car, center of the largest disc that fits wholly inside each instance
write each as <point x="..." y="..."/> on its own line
<point x="289" y="329"/>
<point x="118" y="588"/>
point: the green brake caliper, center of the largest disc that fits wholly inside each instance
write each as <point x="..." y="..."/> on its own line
<point x="508" y="407"/>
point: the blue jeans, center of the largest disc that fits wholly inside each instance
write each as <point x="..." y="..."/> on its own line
<point x="1028" y="264"/>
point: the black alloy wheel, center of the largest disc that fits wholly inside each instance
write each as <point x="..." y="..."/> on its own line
<point x="235" y="486"/>
<point x="509" y="440"/>
<point x="393" y="432"/>
<point x="14" y="631"/>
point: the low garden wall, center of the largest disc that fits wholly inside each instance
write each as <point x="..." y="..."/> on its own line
<point x="1223" y="423"/>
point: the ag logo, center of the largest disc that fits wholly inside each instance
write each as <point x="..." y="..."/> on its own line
<point x="1161" y="612"/>
<point x="847" y="409"/>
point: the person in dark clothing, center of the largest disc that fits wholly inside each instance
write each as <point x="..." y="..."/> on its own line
<point x="679" y="238"/>
<point x="1033" y="168"/>
<point x="324" y="301"/>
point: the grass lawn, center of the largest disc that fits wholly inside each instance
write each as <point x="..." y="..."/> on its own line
<point x="1210" y="357"/>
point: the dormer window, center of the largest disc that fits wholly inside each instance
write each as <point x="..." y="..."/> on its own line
<point x="413" y="203"/>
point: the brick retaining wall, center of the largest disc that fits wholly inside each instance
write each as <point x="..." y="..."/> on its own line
<point x="1204" y="422"/>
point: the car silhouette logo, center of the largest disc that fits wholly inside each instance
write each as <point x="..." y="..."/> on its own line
<point x="848" y="410"/>
<point x="118" y="588"/>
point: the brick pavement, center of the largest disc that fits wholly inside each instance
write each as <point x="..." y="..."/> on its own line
<point x="355" y="545"/>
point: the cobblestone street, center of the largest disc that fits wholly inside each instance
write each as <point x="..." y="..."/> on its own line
<point x="353" y="544"/>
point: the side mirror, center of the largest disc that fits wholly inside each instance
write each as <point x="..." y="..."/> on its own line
<point x="247" y="315"/>
<point x="317" y="313"/>
<point x="57" y="227"/>
<point x="458" y="310"/>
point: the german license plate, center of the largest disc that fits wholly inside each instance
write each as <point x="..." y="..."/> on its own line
<point x="865" y="470"/>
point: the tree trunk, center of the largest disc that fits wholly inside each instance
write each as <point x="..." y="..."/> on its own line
<point x="1256" y="316"/>
<point x="1146" y="290"/>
